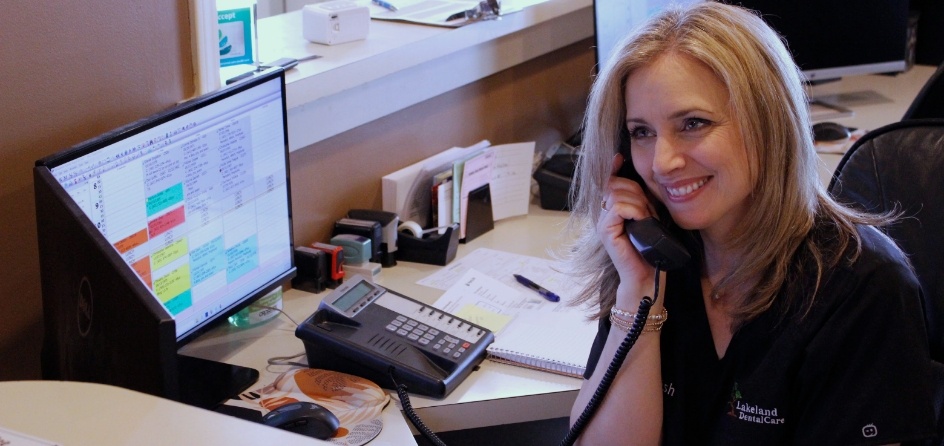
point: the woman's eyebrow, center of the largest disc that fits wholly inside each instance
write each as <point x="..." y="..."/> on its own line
<point x="674" y="115"/>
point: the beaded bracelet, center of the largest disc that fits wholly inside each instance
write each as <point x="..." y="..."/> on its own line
<point x="630" y="316"/>
<point x="653" y="322"/>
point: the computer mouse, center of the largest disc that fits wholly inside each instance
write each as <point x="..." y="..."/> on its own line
<point x="830" y="131"/>
<point x="304" y="418"/>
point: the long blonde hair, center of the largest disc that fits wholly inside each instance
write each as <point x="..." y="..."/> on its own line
<point x="768" y="99"/>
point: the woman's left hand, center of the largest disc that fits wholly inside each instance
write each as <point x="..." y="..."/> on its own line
<point x="623" y="200"/>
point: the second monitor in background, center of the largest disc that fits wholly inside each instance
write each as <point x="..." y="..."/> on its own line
<point x="829" y="39"/>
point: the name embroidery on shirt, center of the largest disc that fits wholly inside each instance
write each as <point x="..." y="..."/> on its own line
<point x="751" y="412"/>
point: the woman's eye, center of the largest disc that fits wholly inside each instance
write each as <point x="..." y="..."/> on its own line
<point x="694" y="123"/>
<point x="639" y="132"/>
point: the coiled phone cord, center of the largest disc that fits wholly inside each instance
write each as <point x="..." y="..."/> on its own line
<point x="621" y="352"/>
<point x="410" y="413"/>
<point x="639" y="322"/>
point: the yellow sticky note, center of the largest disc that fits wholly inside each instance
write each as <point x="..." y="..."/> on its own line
<point x="480" y="316"/>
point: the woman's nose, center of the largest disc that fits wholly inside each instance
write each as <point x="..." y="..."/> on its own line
<point x="667" y="156"/>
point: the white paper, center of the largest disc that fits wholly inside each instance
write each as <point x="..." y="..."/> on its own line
<point x="543" y="334"/>
<point x="406" y="191"/>
<point x="435" y="12"/>
<point x="501" y="267"/>
<point x="12" y="438"/>
<point x="477" y="289"/>
<point x="511" y="179"/>
<point x="427" y="12"/>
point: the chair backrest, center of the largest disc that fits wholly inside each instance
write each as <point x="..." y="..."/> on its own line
<point x="929" y="103"/>
<point x="901" y="167"/>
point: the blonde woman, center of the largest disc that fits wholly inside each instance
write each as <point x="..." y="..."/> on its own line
<point x="796" y="321"/>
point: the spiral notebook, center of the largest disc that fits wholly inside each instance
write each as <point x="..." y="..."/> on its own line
<point x="556" y="342"/>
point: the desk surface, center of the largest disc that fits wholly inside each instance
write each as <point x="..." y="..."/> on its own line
<point x="495" y="394"/>
<point x="895" y="94"/>
<point x="500" y="394"/>
<point x="77" y="414"/>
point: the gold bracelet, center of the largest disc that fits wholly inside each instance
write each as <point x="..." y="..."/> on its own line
<point x="653" y="322"/>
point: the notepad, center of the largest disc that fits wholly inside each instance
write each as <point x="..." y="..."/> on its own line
<point x="556" y="342"/>
<point x="554" y="337"/>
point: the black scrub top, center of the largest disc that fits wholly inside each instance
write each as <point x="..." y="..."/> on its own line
<point x="855" y="370"/>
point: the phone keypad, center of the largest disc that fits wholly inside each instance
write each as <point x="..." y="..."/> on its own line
<point x="431" y="338"/>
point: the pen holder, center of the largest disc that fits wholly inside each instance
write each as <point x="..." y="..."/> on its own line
<point x="437" y="249"/>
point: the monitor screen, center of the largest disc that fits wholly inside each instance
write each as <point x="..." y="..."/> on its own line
<point x="829" y="39"/>
<point x="195" y="200"/>
<point x="613" y="19"/>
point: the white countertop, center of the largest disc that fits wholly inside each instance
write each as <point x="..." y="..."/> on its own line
<point x="77" y="413"/>
<point x="401" y="64"/>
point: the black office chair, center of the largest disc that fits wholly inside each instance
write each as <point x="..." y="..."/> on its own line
<point x="929" y="103"/>
<point x="901" y="167"/>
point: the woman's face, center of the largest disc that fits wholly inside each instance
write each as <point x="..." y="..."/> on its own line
<point x="686" y="145"/>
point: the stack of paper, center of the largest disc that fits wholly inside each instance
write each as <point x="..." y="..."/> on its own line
<point x="406" y="191"/>
<point x="437" y="12"/>
<point x="447" y="178"/>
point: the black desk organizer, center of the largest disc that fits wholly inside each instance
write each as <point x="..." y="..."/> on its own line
<point x="440" y="249"/>
<point x="555" y="178"/>
<point x="478" y="217"/>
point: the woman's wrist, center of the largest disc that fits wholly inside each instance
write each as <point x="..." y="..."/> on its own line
<point x="629" y="296"/>
<point x="624" y="320"/>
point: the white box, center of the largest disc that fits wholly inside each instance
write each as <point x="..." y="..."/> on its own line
<point x="335" y="22"/>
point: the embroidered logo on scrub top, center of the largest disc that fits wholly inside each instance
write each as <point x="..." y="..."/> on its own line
<point x="752" y="413"/>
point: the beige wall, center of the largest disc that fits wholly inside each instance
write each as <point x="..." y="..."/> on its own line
<point x="69" y="71"/>
<point x="72" y="71"/>
<point x="541" y="100"/>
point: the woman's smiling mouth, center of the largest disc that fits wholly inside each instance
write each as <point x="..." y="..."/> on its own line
<point x="679" y="192"/>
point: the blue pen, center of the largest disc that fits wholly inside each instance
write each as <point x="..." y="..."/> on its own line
<point x="385" y="5"/>
<point x="541" y="290"/>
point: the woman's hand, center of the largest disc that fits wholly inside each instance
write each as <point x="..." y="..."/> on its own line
<point x="624" y="199"/>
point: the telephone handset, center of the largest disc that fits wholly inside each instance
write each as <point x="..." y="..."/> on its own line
<point x="648" y="235"/>
<point x="655" y="245"/>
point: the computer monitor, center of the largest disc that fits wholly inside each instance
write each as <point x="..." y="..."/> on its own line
<point x="829" y="39"/>
<point x="614" y="19"/>
<point x="153" y="232"/>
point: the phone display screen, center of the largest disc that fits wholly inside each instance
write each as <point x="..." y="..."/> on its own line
<point x="354" y="295"/>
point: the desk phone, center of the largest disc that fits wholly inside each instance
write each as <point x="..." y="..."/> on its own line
<point x="364" y="329"/>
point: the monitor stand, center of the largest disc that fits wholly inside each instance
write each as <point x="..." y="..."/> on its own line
<point x="833" y="105"/>
<point x="207" y="384"/>
<point x="822" y="110"/>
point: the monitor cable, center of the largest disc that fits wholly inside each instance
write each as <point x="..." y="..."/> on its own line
<point x="284" y="360"/>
